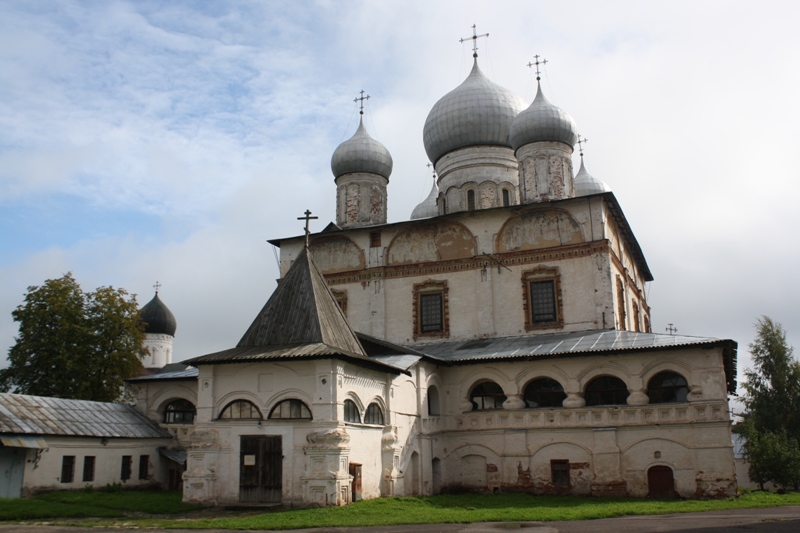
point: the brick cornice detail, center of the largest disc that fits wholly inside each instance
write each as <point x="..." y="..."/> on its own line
<point x="523" y="257"/>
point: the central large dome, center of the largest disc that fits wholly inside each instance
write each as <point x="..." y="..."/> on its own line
<point x="476" y="113"/>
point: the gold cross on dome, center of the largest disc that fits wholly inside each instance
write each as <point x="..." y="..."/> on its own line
<point x="474" y="38"/>
<point x="536" y="62"/>
<point x="361" y="99"/>
<point x="581" y="140"/>
<point x="157" y="286"/>
<point x="307" y="218"/>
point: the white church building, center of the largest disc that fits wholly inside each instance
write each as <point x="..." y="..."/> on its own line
<point x="499" y="340"/>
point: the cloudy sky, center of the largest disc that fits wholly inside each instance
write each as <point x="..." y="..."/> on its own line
<point x="145" y="141"/>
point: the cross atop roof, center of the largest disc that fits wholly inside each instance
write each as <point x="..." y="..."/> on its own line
<point x="536" y="62"/>
<point x="474" y="38"/>
<point x="157" y="286"/>
<point x="307" y="218"/>
<point x="361" y="99"/>
<point x="581" y="140"/>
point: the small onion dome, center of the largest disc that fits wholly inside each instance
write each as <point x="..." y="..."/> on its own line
<point x="427" y="208"/>
<point x="158" y="318"/>
<point x="542" y="121"/>
<point x="586" y="184"/>
<point x="361" y="153"/>
<point x="476" y="113"/>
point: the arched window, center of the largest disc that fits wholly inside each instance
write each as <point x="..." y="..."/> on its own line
<point x="374" y="415"/>
<point x="667" y="387"/>
<point x="240" y="409"/>
<point x="606" y="390"/>
<point x="433" y="401"/>
<point x="290" y="410"/>
<point x="471" y="200"/>
<point x="506" y="198"/>
<point x="351" y="412"/>
<point x="544" y="392"/>
<point x="180" y="412"/>
<point x="487" y="395"/>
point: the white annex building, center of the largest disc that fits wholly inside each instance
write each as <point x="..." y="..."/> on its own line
<point x="499" y="340"/>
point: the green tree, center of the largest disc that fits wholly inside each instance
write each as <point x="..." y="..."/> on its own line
<point x="73" y="344"/>
<point x="772" y="399"/>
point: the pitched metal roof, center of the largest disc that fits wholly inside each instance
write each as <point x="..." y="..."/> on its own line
<point x="600" y="342"/>
<point x="41" y="415"/>
<point x="173" y="371"/>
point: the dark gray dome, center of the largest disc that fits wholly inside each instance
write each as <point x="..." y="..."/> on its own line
<point x="361" y="153"/>
<point x="542" y="121"/>
<point x="476" y="113"/>
<point x="158" y="318"/>
<point x="586" y="184"/>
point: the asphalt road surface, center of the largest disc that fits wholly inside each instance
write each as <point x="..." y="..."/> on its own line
<point x="772" y="520"/>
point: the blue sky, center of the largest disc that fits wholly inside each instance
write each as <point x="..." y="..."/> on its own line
<point x="144" y="141"/>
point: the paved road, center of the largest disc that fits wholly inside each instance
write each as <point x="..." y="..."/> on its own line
<point x="772" y="520"/>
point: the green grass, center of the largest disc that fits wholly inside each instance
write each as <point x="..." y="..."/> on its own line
<point x="138" y="507"/>
<point x="92" y="504"/>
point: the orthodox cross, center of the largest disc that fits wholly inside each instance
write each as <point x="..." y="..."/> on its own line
<point x="157" y="286"/>
<point x="536" y="62"/>
<point x="474" y="38"/>
<point x="581" y="140"/>
<point x="361" y="111"/>
<point x="307" y="218"/>
<point x="672" y="330"/>
<point x="433" y="172"/>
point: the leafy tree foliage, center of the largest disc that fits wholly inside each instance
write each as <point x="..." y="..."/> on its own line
<point x="73" y="344"/>
<point x="772" y="398"/>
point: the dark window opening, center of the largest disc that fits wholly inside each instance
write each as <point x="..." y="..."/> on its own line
<point x="544" y="392"/>
<point x="471" y="200"/>
<point x="88" y="468"/>
<point x="144" y="466"/>
<point x="444" y="205"/>
<point x="667" y="387"/>
<point x="240" y="409"/>
<point x="374" y="415"/>
<point x="433" y="401"/>
<point x="125" y="471"/>
<point x="606" y="390"/>
<point x="180" y="412"/>
<point x="351" y="413"/>
<point x="431" y="316"/>
<point x="374" y="239"/>
<point x="559" y="472"/>
<point x="487" y="395"/>
<point x="506" y="198"/>
<point x="543" y="301"/>
<point x="68" y="469"/>
<point x="290" y="409"/>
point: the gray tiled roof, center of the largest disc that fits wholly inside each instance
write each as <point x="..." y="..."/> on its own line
<point x="41" y="415"/>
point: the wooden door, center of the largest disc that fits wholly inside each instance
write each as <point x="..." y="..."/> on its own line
<point x="660" y="482"/>
<point x="260" y="469"/>
<point x="355" y="471"/>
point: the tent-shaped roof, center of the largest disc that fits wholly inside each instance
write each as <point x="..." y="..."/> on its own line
<point x="300" y="320"/>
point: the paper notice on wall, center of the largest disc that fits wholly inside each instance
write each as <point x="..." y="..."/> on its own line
<point x="249" y="460"/>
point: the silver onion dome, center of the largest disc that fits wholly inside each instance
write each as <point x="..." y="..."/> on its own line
<point x="586" y="184"/>
<point x="542" y="121"/>
<point x="476" y="113"/>
<point x="361" y="153"/>
<point x="427" y="208"/>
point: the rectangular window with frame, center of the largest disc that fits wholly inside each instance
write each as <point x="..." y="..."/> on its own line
<point x="125" y="471"/>
<point x="541" y="290"/>
<point x="559" y="472"/>
<point x="68" y="469"/>
<point x="374" y="239"/>
<point x="88" y="468"/>
<point x="144" y="466"/>
<point x="430" y="313"/>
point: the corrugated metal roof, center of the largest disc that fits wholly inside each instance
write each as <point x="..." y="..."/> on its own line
<point x="574" y="343"/>
<point x="173" y="455"/>
<point x="41" y="415"/>
<point x="16" y="441"/>
<point x="401" y="362"/>
<point x="173" y="371"/>
<point x="581" y="342"/>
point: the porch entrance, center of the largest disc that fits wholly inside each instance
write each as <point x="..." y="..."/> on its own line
<point x="660" y="482"/>
<point x="355" y="471"/>
<point x="260" y="469"/>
